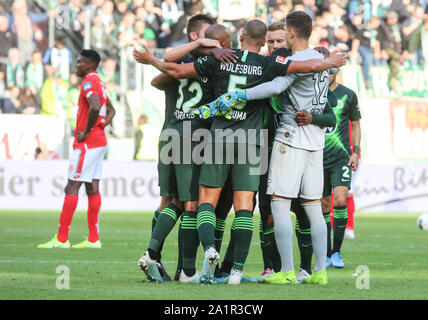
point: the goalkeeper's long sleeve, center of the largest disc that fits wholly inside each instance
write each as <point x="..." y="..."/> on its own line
<point x="269" y="89"/>
<point x="327" y="119"/>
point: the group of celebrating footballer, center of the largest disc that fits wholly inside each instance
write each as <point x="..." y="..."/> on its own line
<point x="294" y="117"/>
<point x="293" y="94"/>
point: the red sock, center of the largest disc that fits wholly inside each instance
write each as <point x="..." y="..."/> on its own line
<point x="68" y="208"/>
<point x="351" y="210"/>
<point x="94" y="205"/>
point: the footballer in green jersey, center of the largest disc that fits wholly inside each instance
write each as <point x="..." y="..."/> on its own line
<point x="245" y="117"/>
<point x="339" y="162"/>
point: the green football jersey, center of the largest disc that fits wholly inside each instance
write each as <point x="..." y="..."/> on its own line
<point x="250" y="70"/>
<point x="192" y="93"/>
<point x="171" y="95"/>
<point x="337" y="146"/>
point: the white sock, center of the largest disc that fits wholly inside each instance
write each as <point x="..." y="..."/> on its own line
<point x="318" y="233"/>
<point x="283" y="229"/>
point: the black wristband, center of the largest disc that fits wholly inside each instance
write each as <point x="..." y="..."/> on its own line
<point x="356" y="150"/>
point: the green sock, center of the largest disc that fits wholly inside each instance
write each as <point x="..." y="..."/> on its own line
<point x="166" y="222"/>
<point x="206" y="225"/>
<point x="328" y="224"/>
<point x="303" y="234"/>
<point x="264" y="245"/>
<point x="339" y="225"/>
<point x="155" y="219"/>
<point x="243" y="234"/>
<point x="190" y="241"/>
<point x="220" y="226"/>
<point x="180" y="245"/>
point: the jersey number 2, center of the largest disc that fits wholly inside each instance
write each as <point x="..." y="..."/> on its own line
<point x="190" y="104"/>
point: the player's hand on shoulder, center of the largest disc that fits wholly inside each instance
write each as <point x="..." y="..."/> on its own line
<point x="323" y="50"/>
<point x="225" y="56"/>
<point x="303" y="118"/>
<point x="337" y="58"/>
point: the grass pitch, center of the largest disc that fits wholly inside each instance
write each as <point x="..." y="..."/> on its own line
<point x="390" y="245"/>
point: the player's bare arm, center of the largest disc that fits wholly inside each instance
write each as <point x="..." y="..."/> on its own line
<point x="356" y="138"/>
<point x="162" y="81"/>
<point x="180" y="52"/>
<point x="110" y="113"/>
<point x="94" y="111"/>
<point x="336" y="59"/>
<point x="175" y="70"/>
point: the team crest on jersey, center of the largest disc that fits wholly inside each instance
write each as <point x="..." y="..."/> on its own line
<point x="281" y="60"/>
<point x="87" y="86"/>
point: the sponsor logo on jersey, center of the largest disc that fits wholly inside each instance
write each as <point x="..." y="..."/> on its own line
<point x="87" y="86"/>
<point x="281" y="60"/>
<point x="330" y="130"/>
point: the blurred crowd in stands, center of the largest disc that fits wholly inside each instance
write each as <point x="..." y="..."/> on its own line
<point x="38" y="78"/>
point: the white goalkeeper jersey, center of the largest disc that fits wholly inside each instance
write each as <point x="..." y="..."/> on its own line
<point x="302" y="92"/>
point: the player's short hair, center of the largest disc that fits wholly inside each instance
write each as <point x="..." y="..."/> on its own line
<point x="91" y="55"/>
<point x="195" y="23"/>
<point x="282" y="52"/>
<point x="255" y="30"/>
<point x="275" y="26"/>
<point x="217" y="31"/>
<point x="301" y="22"/>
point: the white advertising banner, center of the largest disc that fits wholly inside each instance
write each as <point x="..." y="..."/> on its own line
<point x="134" y="186"/>
<point x="391" y="188"/>
<point x="20" y="135"/>
<point x="40" y="185"/>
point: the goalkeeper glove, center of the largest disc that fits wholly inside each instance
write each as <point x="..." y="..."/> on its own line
<point x="228" y="100"/>
<point x="210" y="110"/>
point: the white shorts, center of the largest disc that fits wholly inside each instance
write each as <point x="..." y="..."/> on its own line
<point x="86" y="164"/>
<point x="295" y="173"/>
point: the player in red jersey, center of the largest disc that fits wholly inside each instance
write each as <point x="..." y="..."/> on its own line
<point x="90" y="143"/>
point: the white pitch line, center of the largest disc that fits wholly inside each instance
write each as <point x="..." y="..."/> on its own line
<point x="74" y="261"/>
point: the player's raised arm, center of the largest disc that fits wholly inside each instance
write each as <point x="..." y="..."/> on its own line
<point x="180" y="52"/>
<point x="335" y="60"/>
<point x="175" y="70"/>
<point x="110" y="113"/>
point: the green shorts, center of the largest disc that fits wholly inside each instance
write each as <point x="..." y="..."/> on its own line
<point x="235" y="165"/>
<point x="179" y="179"/>
<point x="338" y="175"/>
<point x="166" y="177"/>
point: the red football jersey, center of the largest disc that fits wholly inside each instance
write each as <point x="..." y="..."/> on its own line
<point x="91" y="84"/>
